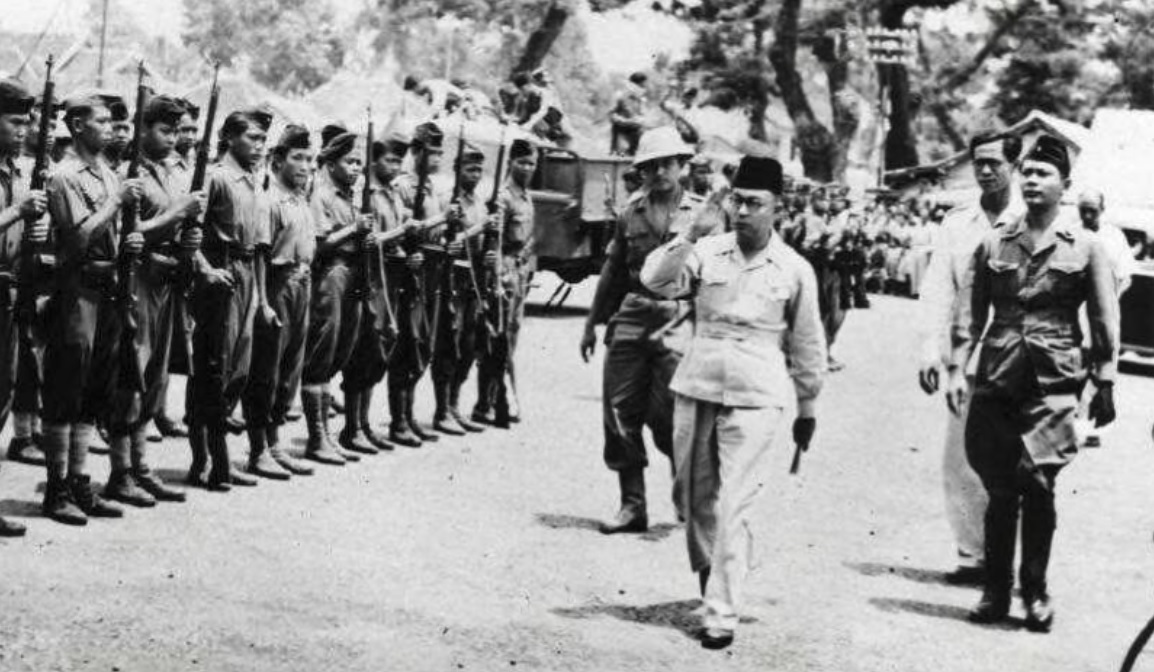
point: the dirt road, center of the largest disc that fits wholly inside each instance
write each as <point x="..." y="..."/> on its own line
<point x="482" y="553"/>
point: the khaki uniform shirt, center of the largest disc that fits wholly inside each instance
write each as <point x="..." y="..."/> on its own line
<point x="293" y="226"/>
<point x="76" y="191"/>
<point x="237" y="207"/>
<point x="752" y="316"/>
<point x="13" y="186"/>
<point x="517" y="209"/>
<point x="335" y="210"/>
<point x="1033" y="293"/>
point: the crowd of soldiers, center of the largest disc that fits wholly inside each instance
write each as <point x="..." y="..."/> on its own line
<point x="261" y="276"/>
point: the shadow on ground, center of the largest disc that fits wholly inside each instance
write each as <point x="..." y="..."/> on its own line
<point x="20" y="509"/>
<point x="554" y="312"/>
<point x="915" y="574"/>
<point x="682" y="615"/>
<point x="560" y="521"/>
<point x="945" y="611"/>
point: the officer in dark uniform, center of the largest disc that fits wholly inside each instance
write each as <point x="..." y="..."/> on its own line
<point x="18" y="204"/>
<point x="1029" y="280"/>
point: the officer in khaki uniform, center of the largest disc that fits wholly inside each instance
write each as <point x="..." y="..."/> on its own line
<point x="81" y="356"/>
<point x="638" y="367"/>
<point x="278" y="351"/>
<point x="758" y="325"/>
<point x="163" y="208"/>
<point x="1029" y="280"/>
<point x="17" y="204"/>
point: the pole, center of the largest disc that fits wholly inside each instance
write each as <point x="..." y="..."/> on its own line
<point x="103" y="35"/>
<point x="883" y="93"/>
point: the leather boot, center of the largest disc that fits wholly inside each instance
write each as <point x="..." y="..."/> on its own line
<point x="1001" y="527"/>
<point x="378" y="441"/>
<point x="59" y="504"/>
<point x="632" y="517"/>
<point x="25" y="449"/>
<point x="223" y="475"/>
<point x="198" y="442"/>
<point x="417" y="428"/>
<point x="335" y="446"/>
<point x="276" y="452"/>
<point x="502" y="419"/>
<point x="122" y="487"/>
<point x="260" y="462"/>
<point x="317" y="449"/>
<point x="153" y="485"/>
<point x="1039" y="519"/>
<point x="352" y="438"/>
<point x="89" y="502"/>
<point x="443" y="421"/>
<point x="399" y="431"/>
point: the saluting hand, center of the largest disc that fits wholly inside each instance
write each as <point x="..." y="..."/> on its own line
<point x="33" y="204"/>
<point x="709" y="216"/>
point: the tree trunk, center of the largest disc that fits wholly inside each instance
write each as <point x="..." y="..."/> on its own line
<point x="842" y="102"/>
<point x="816" y="143"/>
<point x="542" y="39"/>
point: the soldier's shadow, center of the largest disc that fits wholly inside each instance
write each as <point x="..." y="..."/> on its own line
<point x="16" y="508"/>
<point x="917" y="575"/>
<point x="558" y="521"/>
<point x="681" y="615"/>
<point x="946" y="611"/>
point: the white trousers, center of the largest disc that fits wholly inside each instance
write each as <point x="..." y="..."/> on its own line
<point x="720" y="455"/>
<point x="965" y="496"/>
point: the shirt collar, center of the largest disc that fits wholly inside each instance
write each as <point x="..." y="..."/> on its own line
<point x="772" y="253"/>
<point x="238" y="173"/>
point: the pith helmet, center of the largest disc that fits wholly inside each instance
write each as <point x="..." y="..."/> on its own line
<point x="661" y="143"/>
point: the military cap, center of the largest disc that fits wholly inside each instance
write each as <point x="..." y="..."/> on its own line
<point x="338" y="147"/>
<point x="294" y="137"/>
<point x="1051" y="150"/>
<point x="14" y="98"/>
<point x="428" y="136"/>
<point x="332" y="130"/>
<point x="470" y="155"/>
<point x="163" y="109"/>
<point x="85" y="101"/>
<point x="394" y="143"/>
<point x="261" y="114"/>
<point x="521" y="147"/>
<point x="238" y="120"/>
<point x="192" y="110"/>
<point x="759" y="173"/>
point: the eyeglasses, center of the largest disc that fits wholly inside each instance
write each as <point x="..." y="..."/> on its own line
<point x="750" y="203"/>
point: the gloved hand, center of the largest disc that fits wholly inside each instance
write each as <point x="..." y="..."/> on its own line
<point x="803" y="430"/>
<point x="1102" y="405"/>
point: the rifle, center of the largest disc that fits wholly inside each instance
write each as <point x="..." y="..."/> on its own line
<point x="494" y="243"/>
<point x="200" y="166"/>
<point x="386" y="324"/>
<point x="446" y="293"/>
<point x="130" y="372"/>
<point x="25" y="286"/>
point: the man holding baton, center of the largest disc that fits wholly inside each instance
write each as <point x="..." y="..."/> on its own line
<point x="756" y="307"/>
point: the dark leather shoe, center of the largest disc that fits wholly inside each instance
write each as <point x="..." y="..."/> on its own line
<point x="27" y="451"/>
<point x="238" y="477"/>
<point x="991" y="609"/>
<point x="966" y="576"/>
<point x="448" y="425"/>
<point x="89" y="502"/>
<point x="403" y="436"/>
<point x="376" y="439"/>
<point x="122" y="488"/>
<point x="465" y="423"/>
<point x="423" y="433"/>
<point x="482" y="417"/>
<point x="324" y="455"/>
<point x="171" y="428"/>
<point x="288" y="462"/>
<point x="356" y="442"/>
<point x="1039" y="614"/>
<point x="152" y="484"/>
<point x="628" y="520"/>
<point x="60" y="506"/>
<point x="266" y="467"/>
<point x="716" y="638"/>
<point x="11" y="529"/>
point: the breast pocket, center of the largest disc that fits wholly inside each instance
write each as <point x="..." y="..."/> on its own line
<point x="1003" y="277"/>
<point x="765" y="299"/>
<point x="1066" y="279"/>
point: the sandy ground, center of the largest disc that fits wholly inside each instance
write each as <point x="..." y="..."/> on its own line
<point x="482" y="554"/>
